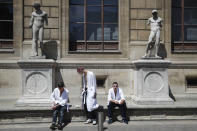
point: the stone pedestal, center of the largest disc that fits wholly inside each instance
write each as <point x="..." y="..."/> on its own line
<point x="151" y="82"/>
<point x="37" y="82"/>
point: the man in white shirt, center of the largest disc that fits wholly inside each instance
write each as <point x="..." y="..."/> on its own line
<point x="155" y="23"/>
<point x="60" y="100"/>
<point x="89" y="94"/>
<point x="116" y="98"/>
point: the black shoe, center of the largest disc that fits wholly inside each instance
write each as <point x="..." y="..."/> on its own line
<point x="124" y="121"/>
<point x="60" y="126"/>
<point x="110" y="121"/>
<point x="53" y="126"/>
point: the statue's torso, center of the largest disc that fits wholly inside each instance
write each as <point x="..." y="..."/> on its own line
<point x="39" y="18"/>
<point x="155" y="24"/>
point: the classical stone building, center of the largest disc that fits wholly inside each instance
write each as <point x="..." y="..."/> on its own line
<point x="104" y="36"/>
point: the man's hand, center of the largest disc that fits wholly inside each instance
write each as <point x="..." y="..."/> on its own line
<point x="122" y="102"/>
<point x="55" y="106"/>
<point x="114" y="101"/>
<point x="94" y="96"/>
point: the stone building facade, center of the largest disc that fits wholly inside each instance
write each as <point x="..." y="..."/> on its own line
<point x="112" y="64"/>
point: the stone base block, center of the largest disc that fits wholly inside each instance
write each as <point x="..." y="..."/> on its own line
<point x="38" y="80"/>
<point x="151" y="82"/>
<point x="152" y="101"/>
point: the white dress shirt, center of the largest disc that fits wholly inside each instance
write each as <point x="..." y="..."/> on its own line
<point x="61" y="100"/>
<point x="118" y="97"/>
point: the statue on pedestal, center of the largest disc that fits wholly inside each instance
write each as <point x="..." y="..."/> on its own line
<point x="155" y="23"/>
<point x="38" y="17"/>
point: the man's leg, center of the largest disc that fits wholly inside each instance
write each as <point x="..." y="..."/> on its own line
<point x="123" y="109"/>
<point x="35" y="41"/>
<point x="55" y="112"/>
<point x="88" y="115"/>
<point x="110" y="111"/>
<point x="150" y="39"/>
<point x="41" y="34"/>
<point x="93" y="116"/>
<point x="62" y="110"/>
<point x="157" y="43"/>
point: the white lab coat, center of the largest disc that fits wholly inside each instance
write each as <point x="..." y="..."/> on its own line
<point x="91" y="102"/>
<point x="119" y="95"/>
<point x="61" y="100"/>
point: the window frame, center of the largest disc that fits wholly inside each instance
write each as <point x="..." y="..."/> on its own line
<point x="102" y="42"/>
<point x="183" y="46"/>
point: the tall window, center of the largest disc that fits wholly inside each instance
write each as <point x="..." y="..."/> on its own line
<point x="93" y="25"/>
<point x="6" y="24"/>
<point x="184" y="25"/>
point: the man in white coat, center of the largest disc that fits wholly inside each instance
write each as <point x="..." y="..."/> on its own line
<point x="60" y="100"/>
<point x="89" y="94"/>
<point x="116" y="99"/>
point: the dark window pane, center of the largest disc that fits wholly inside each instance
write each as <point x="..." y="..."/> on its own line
<point x="94" y="2"/>
<point x="110" y="2"/>
<point x="94" y="32"/>
<point x="190" y="16"/>
<point x="110" y="32"/>
<point x="6" y="11"/>
<point x="176" y="33"/>
<point x="110" y="14"/>
<point x="177" y="13"/>
<point x="190" y="3"/>
<point x="94" y="14"/>
<point x="6" y="1"/>
<point x="76" y="13"/>
<point x="76" y="2"/>
<point x="6" y="30"/>
<point x="190" y="33"/>
<point x="176" y="3"/>
<point x="76" y="32"/>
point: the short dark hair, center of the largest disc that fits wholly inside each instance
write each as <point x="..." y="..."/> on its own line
<point x="115" y="83"/>
<point x="80" y="69"/>
<point x="36" y="4"/>
<point x="60" y="84"/>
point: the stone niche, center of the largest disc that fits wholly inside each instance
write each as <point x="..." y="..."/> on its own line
<point x="151" y="82"/>
<point x="37" y="82"/>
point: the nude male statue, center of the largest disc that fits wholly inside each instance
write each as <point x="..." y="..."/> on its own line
<point x="38" y="17"/>
<point x="155" y="23"/>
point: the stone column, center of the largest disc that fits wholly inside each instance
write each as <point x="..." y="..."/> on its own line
<point x="151" y="82"/>
<point x="38" y="79"/>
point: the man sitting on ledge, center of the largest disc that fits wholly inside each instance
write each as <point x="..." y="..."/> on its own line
<point x="60" y="101"/>
<point x="116" y="98"/>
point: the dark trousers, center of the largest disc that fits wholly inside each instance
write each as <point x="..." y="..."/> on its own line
<point x="122" y="108"/>
<point x="59" y="110"/>
<point x="89" y="115"/>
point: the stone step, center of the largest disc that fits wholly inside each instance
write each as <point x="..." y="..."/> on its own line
<point x="162" y="125"/>
<point x="77" y="115"/>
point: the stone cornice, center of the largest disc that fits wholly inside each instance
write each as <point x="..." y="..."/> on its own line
<point x="94" y="64"/>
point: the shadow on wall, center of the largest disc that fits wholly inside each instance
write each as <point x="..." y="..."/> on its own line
<point x="58" y="76"/>
<point x="170" y="94"/>
<point x="50" y="50"/>
<point x="162" y="51"/>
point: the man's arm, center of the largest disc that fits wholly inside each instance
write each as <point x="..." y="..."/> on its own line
<point x="54" y="102"/>
<point x="31" y="21"/>
<point x="148" y="22"/>
<point x="46" y="19"/>
<point x="122" y="97"/>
